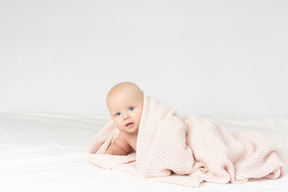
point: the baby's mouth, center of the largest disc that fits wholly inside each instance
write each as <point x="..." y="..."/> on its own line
<point x="129" y="125"/>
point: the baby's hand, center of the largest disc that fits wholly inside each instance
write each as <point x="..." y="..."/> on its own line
<point x="108" y="152"/>
<point x="118" y="148"/>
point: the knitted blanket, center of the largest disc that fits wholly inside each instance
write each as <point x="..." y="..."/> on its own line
<point x="187" y="151"/>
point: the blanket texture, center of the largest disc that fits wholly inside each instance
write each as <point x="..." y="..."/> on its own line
<point x="187" y="151"/>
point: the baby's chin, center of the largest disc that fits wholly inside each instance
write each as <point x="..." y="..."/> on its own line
<point x="131" y="130"/>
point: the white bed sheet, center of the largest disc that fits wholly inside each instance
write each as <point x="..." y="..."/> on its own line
<point x="46" y="152"/>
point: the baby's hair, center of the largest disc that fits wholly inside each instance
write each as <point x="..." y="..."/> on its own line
<point x="123" y="84"/>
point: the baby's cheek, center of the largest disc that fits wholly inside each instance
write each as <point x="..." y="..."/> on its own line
<point x="118" y="125"/>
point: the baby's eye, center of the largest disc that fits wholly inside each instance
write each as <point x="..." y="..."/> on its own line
<point x="117" y="114"/>
<point x="131" y="108"/>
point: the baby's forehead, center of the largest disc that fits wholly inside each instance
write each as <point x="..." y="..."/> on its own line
<point x="122" y="98"/>
<point x="118" y="104"/>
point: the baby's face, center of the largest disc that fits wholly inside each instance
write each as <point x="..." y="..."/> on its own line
<point x="126" y="110"/>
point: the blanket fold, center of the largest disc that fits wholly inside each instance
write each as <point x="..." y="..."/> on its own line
<point x="188" y="150"/>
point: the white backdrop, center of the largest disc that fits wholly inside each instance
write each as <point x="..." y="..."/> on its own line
<point x="221" y="58"/>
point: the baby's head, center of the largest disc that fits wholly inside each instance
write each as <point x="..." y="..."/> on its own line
<point x="125" y="103"/>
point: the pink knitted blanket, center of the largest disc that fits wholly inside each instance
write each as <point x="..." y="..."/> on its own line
<point x="188" y="150"/>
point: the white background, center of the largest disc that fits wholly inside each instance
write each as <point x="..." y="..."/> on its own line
<point x="221" y="58"/>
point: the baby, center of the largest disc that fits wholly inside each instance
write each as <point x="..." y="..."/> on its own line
<point x="168" y="144"/>
<point x="125" y="103"/>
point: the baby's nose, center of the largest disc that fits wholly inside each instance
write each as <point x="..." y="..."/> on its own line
<point x="126" y="116"/>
